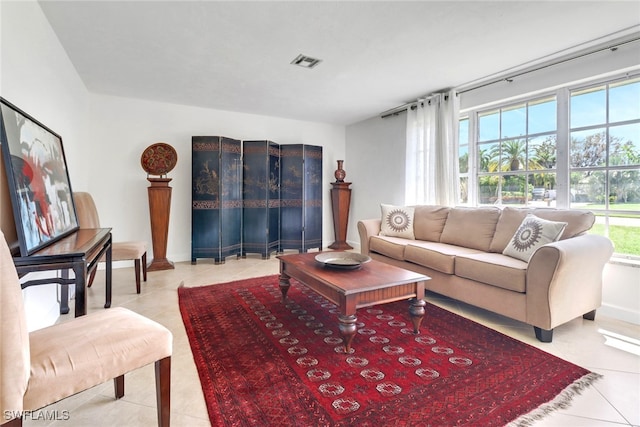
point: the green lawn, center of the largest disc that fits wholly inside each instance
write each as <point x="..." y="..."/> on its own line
<point x="625" y="238"/>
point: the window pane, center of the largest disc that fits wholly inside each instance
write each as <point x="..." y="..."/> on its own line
<point x="463" y="132"/>
<point x="588" y="148"/>
<point x="514" y="188"/>
<point x="542" y="152"/>
<point x="513" y="155"/>
<point x="587" y="190"/>
<point x="489" y="126"/>
<point x="624" y="101"/>
<point x="514" y="121"/>
<point x="624" y="145"/>
<point x="623" y="231"/>
<point x="588" y="107"/>
<point x="543" y="186"/>
<point x="542" y="116"/>
<point x="624" y="189"/>
<point x="488" y="157"/>
<point x="464" y="158"/>
<point x="488" y="189"/>
<point x="463" y="145"/>
<point x="464" y="190"/>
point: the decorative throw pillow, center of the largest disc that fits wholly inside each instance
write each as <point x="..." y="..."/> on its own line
<point x="397" y="221"/>
<point x="533" y="233"/>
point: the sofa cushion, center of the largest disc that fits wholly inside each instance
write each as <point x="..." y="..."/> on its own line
<point x="510" y="220"/>
<point x="434" y="255"/>
<point x="393" y="247"/>
<point x="533" y="233"/>
<point x="493" y="269"/>
<point x="471" y="227"/>
<point x="428" y="222"/>
<point x="578" y="221"/>
<point x="397" y="221"/>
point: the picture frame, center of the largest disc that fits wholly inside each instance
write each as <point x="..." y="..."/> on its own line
<point x="38" y="179"/>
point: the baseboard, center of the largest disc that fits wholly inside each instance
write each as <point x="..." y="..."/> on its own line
<point x="620" y="313"/>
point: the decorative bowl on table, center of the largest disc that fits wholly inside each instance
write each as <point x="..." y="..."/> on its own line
<point x="343" y="260"/>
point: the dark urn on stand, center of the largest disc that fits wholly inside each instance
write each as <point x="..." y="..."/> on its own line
<point x="340" y="201"/>
<point x="159" y="159"/>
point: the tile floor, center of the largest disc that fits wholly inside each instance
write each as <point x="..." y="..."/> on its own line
<point x="607" y="346"/>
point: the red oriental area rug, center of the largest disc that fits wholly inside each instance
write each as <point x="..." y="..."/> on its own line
<point x="262" y="362"/>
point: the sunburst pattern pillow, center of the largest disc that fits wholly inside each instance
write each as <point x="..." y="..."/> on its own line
<point x="533" y="233"/>
<point x="397" y="221"/>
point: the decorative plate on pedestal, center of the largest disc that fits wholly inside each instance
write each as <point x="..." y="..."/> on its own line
<point x="159" y="159"/>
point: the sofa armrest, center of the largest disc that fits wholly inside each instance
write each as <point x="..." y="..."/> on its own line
<point x="366" y="229"/>
<point x="564" y="279"/>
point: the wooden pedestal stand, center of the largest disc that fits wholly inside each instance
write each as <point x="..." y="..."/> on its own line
<point x="340" y="201"/>
<point x="159" y="209"/>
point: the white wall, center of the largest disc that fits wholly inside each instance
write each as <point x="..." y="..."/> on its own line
<point x="375" y="165"/>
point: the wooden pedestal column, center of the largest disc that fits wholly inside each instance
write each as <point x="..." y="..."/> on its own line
<point x="340" y="201"/>
<point x="159" y="209"/>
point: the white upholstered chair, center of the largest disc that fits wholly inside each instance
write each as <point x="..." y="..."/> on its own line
<point x="120" y="251"/>
<point x="50" y="364"/>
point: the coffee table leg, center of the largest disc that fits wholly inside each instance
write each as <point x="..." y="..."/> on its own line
<point x="347" y="328"/>
<point x="416" y="311"/>
<point x="285" y="284"/>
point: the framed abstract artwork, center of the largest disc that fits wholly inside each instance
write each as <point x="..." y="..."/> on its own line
<point x="38" y="180"/>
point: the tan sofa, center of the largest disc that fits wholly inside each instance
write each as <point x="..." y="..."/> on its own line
<point x="461" y="250"/>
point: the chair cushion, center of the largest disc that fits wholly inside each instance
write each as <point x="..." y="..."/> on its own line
<point x="122" y="251"/>
<point x="14" y="339"/>
<point x="86" y="351"/>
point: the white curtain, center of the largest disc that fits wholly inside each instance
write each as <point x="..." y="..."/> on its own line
<point x="432" y="151"/>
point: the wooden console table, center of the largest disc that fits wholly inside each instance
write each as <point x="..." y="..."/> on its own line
<point x="80" y="251"/>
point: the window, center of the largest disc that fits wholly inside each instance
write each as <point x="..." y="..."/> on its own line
<point x="517" y="153"/>
<point x="583" y="155"/>
<point x="604" y="159"/>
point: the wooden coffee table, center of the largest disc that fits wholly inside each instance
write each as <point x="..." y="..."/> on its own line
<point x="373" y="283"/>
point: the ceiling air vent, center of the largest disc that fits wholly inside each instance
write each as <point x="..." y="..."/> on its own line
<point x="306" y="61"/>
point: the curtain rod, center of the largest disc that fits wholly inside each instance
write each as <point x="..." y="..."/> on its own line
<point x="413" y="104"/>
<point x="613" y="48"/>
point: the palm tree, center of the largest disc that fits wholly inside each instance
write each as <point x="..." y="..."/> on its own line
<point x="514" y="154"/>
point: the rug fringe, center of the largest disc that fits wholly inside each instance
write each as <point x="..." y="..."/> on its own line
<point x="561" y="401"/>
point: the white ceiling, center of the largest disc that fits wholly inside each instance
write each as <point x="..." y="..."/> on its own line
<point x="376" y="55"/>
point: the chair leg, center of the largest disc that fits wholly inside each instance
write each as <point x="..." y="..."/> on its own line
<point x="144" y="266"/>
<point x="91" y="277"/>
<point x="118" y="385"/>
<point x="16" y="422"/>
<point x="137" y="269"/>
<point x="163" y="391"/>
